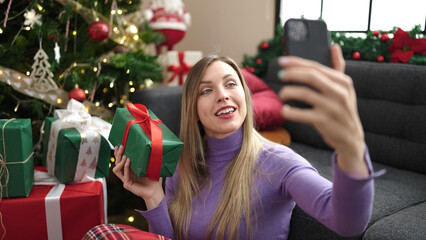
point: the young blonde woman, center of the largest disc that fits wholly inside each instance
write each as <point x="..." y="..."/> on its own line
<point x="233" y="184"/>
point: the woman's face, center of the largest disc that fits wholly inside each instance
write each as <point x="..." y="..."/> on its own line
<point x="221" y="104"/>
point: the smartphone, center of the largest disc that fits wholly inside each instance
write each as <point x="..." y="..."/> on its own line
<point x="308" y="39"/>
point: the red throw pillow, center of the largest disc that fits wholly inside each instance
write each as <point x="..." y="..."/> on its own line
<point x="266" y="103"/>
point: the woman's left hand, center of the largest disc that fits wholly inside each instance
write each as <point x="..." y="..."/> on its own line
<point x="334" y="110"/>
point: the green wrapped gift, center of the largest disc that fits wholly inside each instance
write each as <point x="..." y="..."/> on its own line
<point x="70" y="162"/>
<point x="16" y="157"/>
<point x="138" y="146"/>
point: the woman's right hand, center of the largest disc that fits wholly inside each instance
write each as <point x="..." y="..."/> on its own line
<point x="151" y="191"/>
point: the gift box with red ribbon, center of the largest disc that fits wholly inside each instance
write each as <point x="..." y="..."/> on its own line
<point x="179" y="64"/>
<point x="54" y="210"/>
<point x="153" y="149"/>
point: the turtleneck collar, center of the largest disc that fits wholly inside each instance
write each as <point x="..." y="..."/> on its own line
<point x="224" y="149"/>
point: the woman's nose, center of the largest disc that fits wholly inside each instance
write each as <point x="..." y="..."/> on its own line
<point x="222" y="95"/>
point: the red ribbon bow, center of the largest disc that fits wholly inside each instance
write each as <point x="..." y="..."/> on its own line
<point x="151" y="128"/>
<point x="181" y="70"/>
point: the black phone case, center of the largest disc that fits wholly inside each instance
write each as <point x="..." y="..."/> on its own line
<point x="315" y="47"/>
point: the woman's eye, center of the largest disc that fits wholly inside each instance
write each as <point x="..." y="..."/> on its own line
<point x="205" y="91"/>
<point x="231" y="84"/>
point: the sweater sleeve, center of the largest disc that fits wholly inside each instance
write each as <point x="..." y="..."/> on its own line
<point x="344" y="206"/>
<point x="158" y="218"/>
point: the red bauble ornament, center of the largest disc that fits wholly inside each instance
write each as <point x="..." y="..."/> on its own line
<point x="77" y="94"/>
<point x="259" y="61"/>
<point x="250" y="69"/>
<point x="264" y="45"/>
<point x="376" y="33"/>
<point x="356" y="56"/>
<point x="98" y="31"/>
<point x="380" y="58"/>
<point x="384" y="37"/>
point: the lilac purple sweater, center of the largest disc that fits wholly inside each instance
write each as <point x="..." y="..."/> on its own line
<point x="343" y="206"/>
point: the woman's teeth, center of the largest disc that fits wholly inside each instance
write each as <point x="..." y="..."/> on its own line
<point x="225" y="111"/>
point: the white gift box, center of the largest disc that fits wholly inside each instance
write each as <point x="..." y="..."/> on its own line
<point x="178" y="65"/>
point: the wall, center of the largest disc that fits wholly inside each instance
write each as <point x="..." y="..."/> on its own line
<point x="228" y="27"/>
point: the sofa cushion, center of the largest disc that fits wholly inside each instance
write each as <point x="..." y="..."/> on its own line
<point x="400" y="225"/>
<point x="266" y="103"/>
<point x="395" y="191"/>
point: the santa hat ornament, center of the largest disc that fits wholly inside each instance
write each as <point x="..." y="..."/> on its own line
<point x="170" y="18"/>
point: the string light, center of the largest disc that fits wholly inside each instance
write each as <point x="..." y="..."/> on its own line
<point x="28" y="73"/>
<point x="40" y="8"/>
<point x="113" y="12"/>
<point x="82" y="71"/>
<point x="131" y="83"/>
<point x="132" y="89"/>
<point x="131" y="219"/>
<point x="112" y="159"/>
<point x="135" y="37"/>
<point x="17" y="106"/>
<point x="128" y="71"/>
<point x="121" y="101"/>
<point x="1" y="31"/>
<point x="59" y="101"/>
<point x="110" y="104"/>
<point x="105" y="60"/>
<point x="74" y="64"/>
<point x="95" y="69"/>
<point x="97" y="104"/>
<point x="105" y="90"/>
<point x="86" y="91"/>
<point x="111" y="85"/>
<point x="115" y="29"/>
<point x="74" y="32"/>
<point x="119" y="12"/>
<point x="27" y="28"/>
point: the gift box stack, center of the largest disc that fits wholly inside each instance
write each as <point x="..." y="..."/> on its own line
<point x="178" y="66"/>
<point x="67" y="196"/>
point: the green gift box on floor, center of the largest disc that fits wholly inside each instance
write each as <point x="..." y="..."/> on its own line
<point x="66" y="161"/>
<point x="16" y="150"/>
<point x="138" y="146"/>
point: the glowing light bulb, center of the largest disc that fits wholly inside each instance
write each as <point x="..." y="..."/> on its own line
<point x="110" y="104"/>
<point x="86" y="91"/>
<point x="131" y="219"/>
<point x="59" y="101"/>
<point x="132" y="89"/>
<point x="28" y="73"/>
<point x="112" y="159"/>
<point x="111" y="85"/>
<point x="97" y="104"/>
<point x="95" y="69"/>
<point x="128" y="71"/>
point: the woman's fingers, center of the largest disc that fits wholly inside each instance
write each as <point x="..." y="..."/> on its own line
<point x="337" y="59"/>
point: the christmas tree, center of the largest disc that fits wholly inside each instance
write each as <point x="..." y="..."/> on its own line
<point x="99" y="45"/>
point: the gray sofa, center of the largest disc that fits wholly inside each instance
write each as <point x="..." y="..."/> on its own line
<point x="392" y="108"/>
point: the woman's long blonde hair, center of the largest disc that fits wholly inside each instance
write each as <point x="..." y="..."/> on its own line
<point x="236" y="196"/>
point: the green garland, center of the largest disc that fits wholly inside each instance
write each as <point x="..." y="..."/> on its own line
<point x="374" y="47"/>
